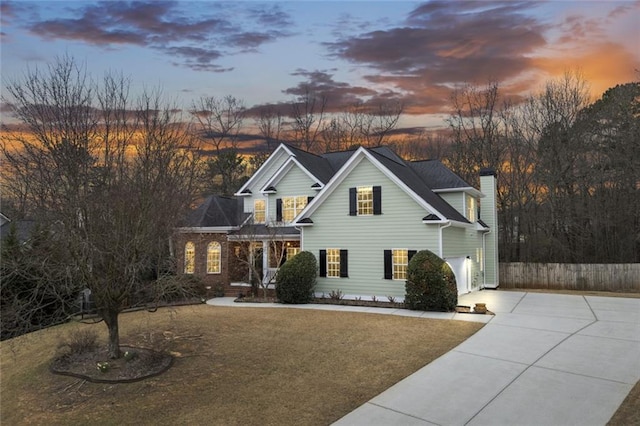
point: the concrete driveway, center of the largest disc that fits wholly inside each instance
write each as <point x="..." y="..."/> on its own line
<point x="543" y="359"/>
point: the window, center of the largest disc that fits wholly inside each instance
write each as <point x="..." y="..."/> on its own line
<point x="292" y="251"/>
<point x="334" y="263"/>
<point x="259" y="211"/>
<point x="189" y="258"/>
<point x="365" y="201"/>
<point x="213" y="258"/>
<point x="396" y="263"/>
<point x="287" y="208"/>
<point x="400" y="263"/>
<point x="470" y="208"/>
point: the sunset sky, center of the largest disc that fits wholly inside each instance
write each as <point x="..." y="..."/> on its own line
<point x="266" y="52"/>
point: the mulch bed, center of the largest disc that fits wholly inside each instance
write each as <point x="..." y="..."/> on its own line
<point x="145" y="363"/>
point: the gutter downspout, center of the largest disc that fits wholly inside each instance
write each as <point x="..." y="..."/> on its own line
<point x="484" y="258"/>
<point x="441" y="249"/>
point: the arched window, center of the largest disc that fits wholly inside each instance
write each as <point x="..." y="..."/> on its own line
<point x="213" y="258"/>
<point x="189" y="258"/>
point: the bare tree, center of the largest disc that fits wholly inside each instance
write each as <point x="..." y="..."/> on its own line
<point x="270" y="125"/>
<point x="476" y="123"/>
<point x="307" y="112"/>
<point x="107" y="177"/>
<point x="360" y="125"/>
<point x="378" y="122"/>
<point x="220" y="121"/>
<point x="561" y="154"/>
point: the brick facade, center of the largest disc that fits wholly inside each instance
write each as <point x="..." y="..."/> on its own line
<point x="228" y="263"/>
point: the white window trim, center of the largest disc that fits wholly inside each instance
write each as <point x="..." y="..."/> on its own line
<point x="333" y="263"/>
<point x="265" y="210"/>
<point x="191" y="260"/>
<point x="393" y="263"/>
<point x="219" y="259"/>
<point x="369" y="189"/>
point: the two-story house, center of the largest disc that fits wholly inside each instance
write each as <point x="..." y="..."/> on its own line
<point x="363" y="213"/>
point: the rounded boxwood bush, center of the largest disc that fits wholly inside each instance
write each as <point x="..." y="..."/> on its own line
<point x="431" y="284"/>
<point x="297" y="278"/>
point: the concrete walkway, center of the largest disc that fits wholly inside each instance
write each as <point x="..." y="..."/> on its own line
<point x="543" y="359"/>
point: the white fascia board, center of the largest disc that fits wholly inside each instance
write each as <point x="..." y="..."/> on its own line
<point x="282" y="148"/>
<point x="436" y="222"/>
<point x="454" y="223"/>
<point x="282" y="172"/>
<point x="481" y="228"/>
<point x="207" y="229"/>
<point x="468" y="189"/>
<point x="255" y="237"/>
<point x="459" y="224"/>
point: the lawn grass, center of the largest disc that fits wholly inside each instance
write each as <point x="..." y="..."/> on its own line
<point x="233" y="366"/>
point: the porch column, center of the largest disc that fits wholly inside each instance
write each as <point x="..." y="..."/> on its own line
<point x="265" y="261"/>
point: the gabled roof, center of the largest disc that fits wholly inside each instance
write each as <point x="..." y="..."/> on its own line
<point x="317" y="165"/>
<point x="415" y="182"/>
<point x="398" y="171"/>
<point x="217" y="212"/>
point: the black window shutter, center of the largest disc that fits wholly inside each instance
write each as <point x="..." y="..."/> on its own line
<point x="278" y="209"/>
<point x="344" y="264"/>
<point x="323" y="263"/>
<point x="309" y="199"/>
<point x="410" y="254"/>
<point x="353" y="202"/>
<point x="377" y="200"/>
<point x="388" y="265"/>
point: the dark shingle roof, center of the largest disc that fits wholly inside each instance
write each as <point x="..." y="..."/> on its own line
<point x="337" y="159"/>
<point x="319" y="166"/>
<point x="417" y="184"/>
<point x="437" y="175"/>
<point x="217" y="211"/>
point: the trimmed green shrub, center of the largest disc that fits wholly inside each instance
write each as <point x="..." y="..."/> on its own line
<point x="297" y="278"/>
<point x="431" y="284"/>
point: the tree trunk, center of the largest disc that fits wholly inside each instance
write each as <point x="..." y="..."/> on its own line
<point x="111" y="320"/>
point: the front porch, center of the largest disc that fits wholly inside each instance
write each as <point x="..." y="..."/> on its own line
<point x="257" y="259"/>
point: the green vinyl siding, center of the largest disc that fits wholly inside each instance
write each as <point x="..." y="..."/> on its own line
<point x="366" y="237"/>
<point x="295" y="183"/>
<point x="265" y="173"/>
<point x="455" y="199"/>
<point x="460" y="242"/>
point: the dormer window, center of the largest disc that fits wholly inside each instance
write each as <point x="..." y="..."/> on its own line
<point x="259" y="211"/>
<point x="470" y="208"/>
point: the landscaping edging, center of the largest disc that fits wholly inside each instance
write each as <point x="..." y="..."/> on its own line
<point x="163" y="366"/>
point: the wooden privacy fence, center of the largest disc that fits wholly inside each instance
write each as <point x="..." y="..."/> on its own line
<point x="569" y="276"/>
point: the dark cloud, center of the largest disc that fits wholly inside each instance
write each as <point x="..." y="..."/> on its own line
<point x="445" y="43"/>
<point x="271" y="16"/>
<point x="197" y="58"/>
<point x="321" y="83"/>
<point x="199" y="39"/>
